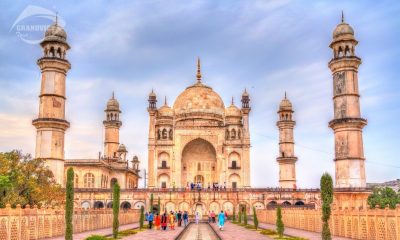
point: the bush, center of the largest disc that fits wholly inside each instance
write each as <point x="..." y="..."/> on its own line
<point x="383" y="197"/>
<point x="234" y="214"/>
<point x="97" y="237"/>
<point x="116" y="196"/>
<point x="141" y="220"/>
<point x="245" y="216"/>
<point x="255" y="219"/>
<point x="240" y="216"/>
<point x="280" y="228"/>
<point x="69" y="204"/>
<point x="327" y="198"/>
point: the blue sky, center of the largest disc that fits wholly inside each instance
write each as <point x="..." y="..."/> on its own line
<point x="269" y="47"/>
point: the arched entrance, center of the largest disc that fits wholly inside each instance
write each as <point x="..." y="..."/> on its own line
<point x="199" y="179"/>
<point x="199" y="162"/>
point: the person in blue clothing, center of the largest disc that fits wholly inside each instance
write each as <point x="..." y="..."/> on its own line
<point x="150" y="219"/>
<point x="185" y="218"/>
<point x="221" y="220"/>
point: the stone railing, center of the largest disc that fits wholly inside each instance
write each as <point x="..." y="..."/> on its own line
<point x="368" y="224"/>
<point x="38" y="223"/>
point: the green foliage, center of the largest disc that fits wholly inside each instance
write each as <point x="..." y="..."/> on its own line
<point x="24" y="180"/>
<point x="234" y="214"/>
<point x="383" y="197"/>
<point x="326" y="232"/>
<point x="268" y="232"/>
<point x="255" y="219"/>
<point x="69" y="204"/>
<point x="151" y="202"/>
<point x="245" y="216"/>
<point x="97" y="237"/>
<point x="127" y="232"/>
<point x="327" y="199"/>
<point x="141" y="220"/>
<point x="280" y="228"/>
<point x="240" y="216"/>
<point x="116" y="196"/>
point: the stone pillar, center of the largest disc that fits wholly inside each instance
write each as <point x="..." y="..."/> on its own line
<point x="152" y="109"/>
<point x="246" y="139"/>
<point x="347" y="123"/>
<point x="286" y="158"/>
<point x="51" y="124"/>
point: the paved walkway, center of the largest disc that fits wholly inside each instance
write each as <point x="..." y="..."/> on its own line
<point x="156" y="234"/>
<point x="103" y="232"/>
<point x="235" y="232"/>
<point x="298" y="232"/>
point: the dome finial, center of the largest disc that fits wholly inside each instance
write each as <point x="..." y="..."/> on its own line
<point x="165" y="101"/>
<point x="232" y="103"/>
<point x="56" y="18"/>
<point x="342" y="16"/>
<point x="285" y="95"/>
<point x="198" y="70"/>
<point x="112" y="96"/>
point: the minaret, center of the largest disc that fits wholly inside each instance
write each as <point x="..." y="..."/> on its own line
<point x="51" y="124"/>
<point x="152" y="109"/>
<point x="347" y="123"/>
<point x="112" y="125"/>
<point x="286" y="159"/>
<point x="246" y="138"/>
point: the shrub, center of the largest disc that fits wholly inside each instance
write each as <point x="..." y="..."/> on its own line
<point x="234" y="214"/>
<point x="69" y="204"/>
<point x="141" y="220"/>
<point x="280" y="228"/>
<point x="240" y="216"/>
<point x="245" y="216"/>
<point x="327" y="198"/>
<point x="255" y="219"/>
<point x="116" y="196"/>
<point x="96" y="237"/>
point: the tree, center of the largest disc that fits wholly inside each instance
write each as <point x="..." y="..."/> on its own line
<point x="69" y="204"/>
<point x="116" y="195"/>
<point x="151" y="202"/>
<point x="383" y="197"/>
<point x="24" y="180"/>
<point x="280" y="228"/>
<point x="240" y="215"/>
<point x="327" y="199"/>
<point x="234" y="214"/>
<point x="141" y="220"/>
<point x="245" y="215"/>
<point x="255" y="219"/>
<point x="158" y="205"/>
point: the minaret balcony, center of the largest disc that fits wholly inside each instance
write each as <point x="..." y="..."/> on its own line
<point x="234" y="167"/>
<point x="163" y="167"/>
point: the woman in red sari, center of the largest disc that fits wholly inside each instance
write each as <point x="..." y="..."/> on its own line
<point x="157" y="221"/>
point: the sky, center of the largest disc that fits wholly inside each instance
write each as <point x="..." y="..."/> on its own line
<point x="268" y="47"/>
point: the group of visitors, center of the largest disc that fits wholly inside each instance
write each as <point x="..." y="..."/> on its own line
<point x="222" y="217"/>
<point x="162" y="221"/>
<point x="181" y="218"/>
<point x="199" y="186"/>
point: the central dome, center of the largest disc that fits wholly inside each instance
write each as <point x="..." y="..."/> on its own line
<point x="199" y="98"/>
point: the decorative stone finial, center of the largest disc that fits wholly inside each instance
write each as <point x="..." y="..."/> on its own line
<point x="112" y="97"/>
<point x="232" y="103"/>
<point x="342" y="16"/>
<point x="198" y="70"/>
<point x="285" y="95"/>
<point x="165" y="101"/>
